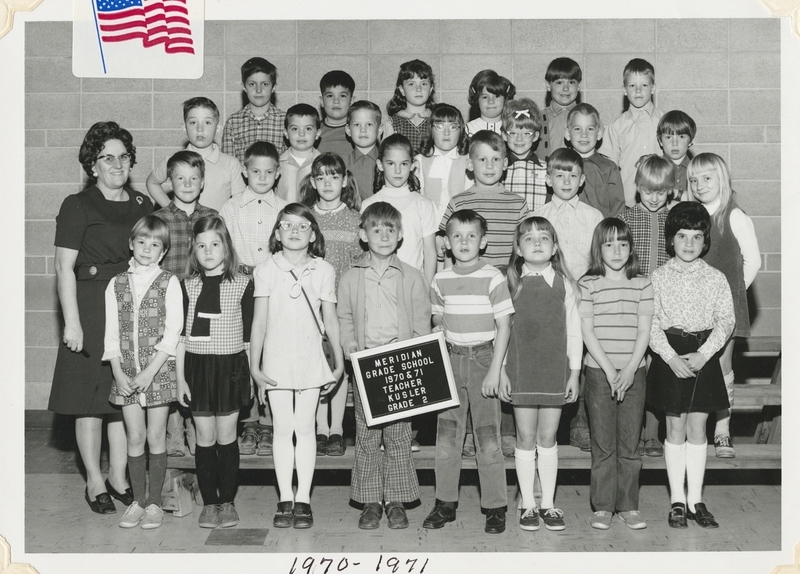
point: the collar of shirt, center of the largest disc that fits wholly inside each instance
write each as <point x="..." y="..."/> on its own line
<point x="341" y="207"/>
<point x="143" y="270"/>
<point x="250" y="196"/>
<point x="288" y="157"/>
<point x="284" y="265"/>
<point x="693" y="267"/>
<point x="366" y="261"/>
<point x="451" y="154"/>
<point x="530" y="156"/>
<point x="557" y="109"/>
<point x="440" y="166"/>
<point x="395" y="191"/>
<point x="271" y="110"/>
<point x="498" y="187"/>
<point x="548" y="273"/>
<point x="467" y="270"/>
<point x="684" y="163"/>
<point x="213" y="155"/>
<point x="646" y="109"/>
<point x="559" y="203"/>
<point x="646" y="211"/>
<point x="358" y="155"/>
<point x="714" y="206"/>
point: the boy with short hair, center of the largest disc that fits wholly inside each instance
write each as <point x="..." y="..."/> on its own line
<point x="603" y="188"/>
<point x="574" y="222"/>
<point x="501" y="209"/>
<point x="675" y="133"/>
<point x="259" y="120"/>
<point x="563" y="78"/>
<point x="471" y="304"/>
<point x="633" y="134"/>
<point x="250" y="218"/>
<point x="336" y="92"/>
<point x="302" y="131"/>
<point x="382" y="300"/>
<point x="223" y="173"/>
<point x="186" y="171"/>
<point x="364" y="127"/>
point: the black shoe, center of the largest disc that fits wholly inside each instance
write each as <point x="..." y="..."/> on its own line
<point x="125" y="498"/>
<point x="322" y="445"/>
<point x="102" y="503"/>
<point x="302" y="515"/>
<point x="495" y="521"/>
<point x="677" y="515"/>
<point x="396" y="517"/>
<point x="702" y="516"/>
<point x="284" y="518"/>
<point x="335" y="445"/>
<point x="370" y="516"/>
<point x="442" y="513"/>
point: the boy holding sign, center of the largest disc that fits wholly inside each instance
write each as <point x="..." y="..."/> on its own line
<point x="382" y="300"/>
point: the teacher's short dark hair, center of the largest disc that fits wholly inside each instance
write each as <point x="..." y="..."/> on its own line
<point x="687" y="215"/>
<point x="96" y="138"/>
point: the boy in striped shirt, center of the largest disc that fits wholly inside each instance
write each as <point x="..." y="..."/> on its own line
<point x="471" y="303"/>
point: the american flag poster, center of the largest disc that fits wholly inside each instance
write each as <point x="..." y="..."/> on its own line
<point x="138" y="38"/>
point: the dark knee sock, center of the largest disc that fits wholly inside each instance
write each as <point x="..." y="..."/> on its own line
<point x="206" y="463"/>
<point x="137" y="467"/>
<point x="228" y="460"/>
<point x="158" y="471"/>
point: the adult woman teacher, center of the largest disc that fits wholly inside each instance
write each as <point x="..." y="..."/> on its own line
<point x="92" y="235"/>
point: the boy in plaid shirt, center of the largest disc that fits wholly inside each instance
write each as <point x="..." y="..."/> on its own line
<point x="186" y="172"/>
<point x="382" y="300"/>
<point x="259" y="120"/>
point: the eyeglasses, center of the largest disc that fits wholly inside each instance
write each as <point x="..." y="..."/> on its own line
<point x="520" y="135"/>
<point x="439" y="126"/>
<point x="302" y="226"/>
<point x="112" y="159"/>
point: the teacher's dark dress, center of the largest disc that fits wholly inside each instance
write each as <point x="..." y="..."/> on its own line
<point x="99" y="230"/>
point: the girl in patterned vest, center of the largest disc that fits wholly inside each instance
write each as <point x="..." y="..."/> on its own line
<point x="213" y="368"/>
<point x="144" y="317"/>
<point x="734" y="251"/>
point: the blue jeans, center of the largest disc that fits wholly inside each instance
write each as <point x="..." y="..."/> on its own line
<point x="615" y="429"/>
<point x="469" y="371"/>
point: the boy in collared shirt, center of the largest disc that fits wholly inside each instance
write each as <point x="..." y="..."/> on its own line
<point x="563" y="78"/>
<point x="250" y="218"/>
<point x="186" y="172"/>
<point x="223" y="173"/>
<point x="302" y="131"/>
<point x="633" y="134"/>
<point x="675" y="133"/>
<point x="336" y="92"/>
<point x="259" y="120"/>
<point x="364" y="128"/>
<point x="471" y="304"/>
<point x="603" y="187"/>
<point x="382" y="300"/>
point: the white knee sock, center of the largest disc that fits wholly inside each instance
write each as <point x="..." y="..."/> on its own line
<point x="675" y="459"/>
<point x="525" y="462"/>
<point x="695" y="470"/>
<point x="548" y="471"/>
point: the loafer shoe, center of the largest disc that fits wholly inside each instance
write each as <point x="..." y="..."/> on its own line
<point x="653" y="448"/>
<point x="507" y="445"/>
<point x="601" y="520"/>
<point x="102" y="503"/>
<point x="495" y="521"/>
<point x="468" y="449"/>
<point x="249" y="439"/>
<point x="133" y="515"/>
<point x="529" y="519"/>
<point x="677" y="515"/>
<point x="702" y="516"/>
<point x="125" y="498"/>
<point x="209" y="517"/>
<point x="322" y="445"/>
<point x="264" y="447"/>
<point x="581" y="438"/>
<point x="632" y="519"/>
<point x="153" y="517"/>
<point x="723" y="447"/>
<point x="414" y="445"/>
<point x="303" y="518"/>
<point x="553" y="518"/>
<point x="442" y="513"/>
<point x="228" y="517"/>
<point x="335" y="445"/>
<point x="370" y="516"/>
<point x="284" y="517"/>
<point x="396" y="516"/>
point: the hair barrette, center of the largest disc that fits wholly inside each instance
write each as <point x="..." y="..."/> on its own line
<point x="519" y="113"/>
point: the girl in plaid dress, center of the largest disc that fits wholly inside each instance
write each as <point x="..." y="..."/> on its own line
<point x="213" y="370"/>
<point x="410" y="107"/>
<point x="144" y="317"/>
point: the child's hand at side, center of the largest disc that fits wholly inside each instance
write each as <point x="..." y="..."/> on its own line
<point x="611" y="378"/>
<point x="349" y="350"/>
<point x="573" y="386"/>
<point x="695" y="361"/>
<point x="624" y="381"/>
<point x="504" y="390"/>
<point x="490" y="386"/>
<point x="680" y="368"/>
<point x="262" y="382"/>
<point x="184" y="394"/>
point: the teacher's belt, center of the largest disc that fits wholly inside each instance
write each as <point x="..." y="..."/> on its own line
<point x="100" y="271"/>
<point x="701" y="336"/>
<point x="468" y="350"/>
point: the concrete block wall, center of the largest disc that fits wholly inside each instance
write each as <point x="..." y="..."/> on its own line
<point x="724" y="73"/>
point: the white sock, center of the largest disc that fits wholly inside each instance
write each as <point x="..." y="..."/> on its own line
<point x="675" y="459"/>
<point x="525" y="462"/>
<point x="305" y="453"/>
<point x="283" y="459"/>
<point x="695" y="470"/>
<point x="548" y="471"/>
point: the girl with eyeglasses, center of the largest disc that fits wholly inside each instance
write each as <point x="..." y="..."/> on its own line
<point x="526" y="173"/>
<point x="295" y="301"/>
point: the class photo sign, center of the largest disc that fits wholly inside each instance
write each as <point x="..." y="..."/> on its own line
<point x="404" y="379"/>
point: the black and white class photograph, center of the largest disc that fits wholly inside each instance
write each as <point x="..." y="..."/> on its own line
<point x="304" y="287"/>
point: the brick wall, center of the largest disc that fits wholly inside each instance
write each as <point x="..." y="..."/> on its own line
<point x="724" y="73"/>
